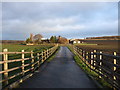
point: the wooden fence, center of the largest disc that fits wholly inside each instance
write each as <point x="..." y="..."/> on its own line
<point x="106" y="65"/>
<point x="34" y="62"/>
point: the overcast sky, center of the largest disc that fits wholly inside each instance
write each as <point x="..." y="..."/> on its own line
<point x="70" y="20"/>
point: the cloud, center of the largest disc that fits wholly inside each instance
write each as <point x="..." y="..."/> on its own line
<point x="46" y="26"/>
<point x="67" y="19"/>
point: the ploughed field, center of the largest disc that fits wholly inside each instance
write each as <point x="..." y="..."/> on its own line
<point x="103" y="42"/>
<point x="102" y="45"/>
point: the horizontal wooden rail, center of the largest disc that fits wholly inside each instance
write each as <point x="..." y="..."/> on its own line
<point x="15" y="68"/>
<point x="106" y="65"/>
<point x="13" y="52"/>
<point x="17" y="60"/>
<point x="35" y="62"/>
<point x="113" y="56"/>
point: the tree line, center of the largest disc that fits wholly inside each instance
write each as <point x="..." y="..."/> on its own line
<point x="59" y="39"/>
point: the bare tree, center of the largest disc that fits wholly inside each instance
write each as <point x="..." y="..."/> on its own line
<point x="37" y="38"/>
<point x="63" y="40"/>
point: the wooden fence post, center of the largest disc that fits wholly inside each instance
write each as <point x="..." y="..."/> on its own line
<point x="114" y="68"/>
<point x="47" y="53"/>
<point x="38" y="56"/>
<point x="38" y="59"/>
<point x="5" y="58"/>
<point x="100" y="63"/>
<point x="42" y="56"/>
<point x="23" y="56"/>
<point x="83" y="53"/>
<point x="32" y="60"/>
<point x="87" y="58"/>
<point x="94" y="60"/>
<point x="91" y="61"/>
<point x="87" y="55"/>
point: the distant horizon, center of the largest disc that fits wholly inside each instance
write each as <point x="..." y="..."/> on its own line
<point x="68" y="38"/>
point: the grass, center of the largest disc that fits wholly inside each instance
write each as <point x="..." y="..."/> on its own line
<point x="26" y="48"/>
<point x="89" y="72"/>
<point x="18" y="47"/>
<point x="51" y="57"/>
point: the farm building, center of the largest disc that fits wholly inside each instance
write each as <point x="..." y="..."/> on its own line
<point x="45" y="40"/>
<point x="76" y="41"/>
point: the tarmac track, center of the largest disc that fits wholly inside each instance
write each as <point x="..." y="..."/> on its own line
<point x="61" y="72"/>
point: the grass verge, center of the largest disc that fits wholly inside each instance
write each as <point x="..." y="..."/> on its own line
<point x="101" y="83"/>
<point x="54" y="54"/>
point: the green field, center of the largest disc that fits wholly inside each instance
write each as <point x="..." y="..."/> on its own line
<point x="18" y="48"/>
<point x="26" y="48"/>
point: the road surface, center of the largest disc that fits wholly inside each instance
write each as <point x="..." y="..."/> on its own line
<point x="61" y="72"/>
